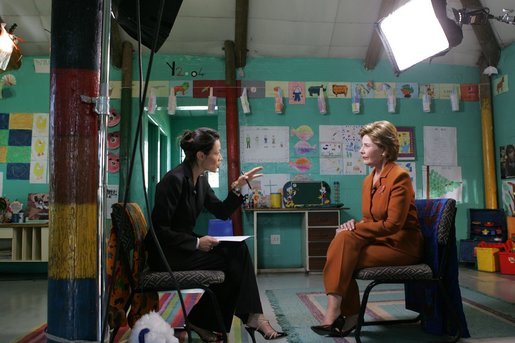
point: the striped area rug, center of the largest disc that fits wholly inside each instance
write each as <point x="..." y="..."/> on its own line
<point x="489" y="319"/>
<point x="169" y="309"/>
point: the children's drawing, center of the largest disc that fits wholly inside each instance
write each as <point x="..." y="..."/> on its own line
<point x="407" y="90"/>
<point x="297" y="93"/>
<point x="303" y="132"/>
<point x="501" y="84"/>
<point x="303" y="147"/>
<point x="302" y="164"/>
<point x="339" y="90"/>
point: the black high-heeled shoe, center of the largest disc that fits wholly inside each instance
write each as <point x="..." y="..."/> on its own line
<point x="333" y="330"/>
<point x="268" y="336"/>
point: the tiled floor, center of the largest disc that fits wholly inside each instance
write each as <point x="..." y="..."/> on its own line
<point x="23" y="303"/>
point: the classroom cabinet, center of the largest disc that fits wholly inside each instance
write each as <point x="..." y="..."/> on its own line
<point x="24" y="242"/>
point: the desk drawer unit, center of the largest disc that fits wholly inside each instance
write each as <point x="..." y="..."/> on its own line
<point x="321" y="229"/>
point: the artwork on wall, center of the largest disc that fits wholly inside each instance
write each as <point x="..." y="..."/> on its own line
<point x="339" y="150"/>
<point x="411" y="168"/>
<point x="507" y="161"/>
<point x="406" y="143"/>
<point x="24" y="146"/>
<point x="508" y="197"/>
<point x="296" y="93"/>
<point x="260" y="144"/>
<point x="501" y="84"/>
<point x="440" y="146"/>
<point x="442" y="182"/>
<point x="37" y="207"/>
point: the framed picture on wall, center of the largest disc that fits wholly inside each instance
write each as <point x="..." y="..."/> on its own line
<point x="37" y="207"/>
<point x="407" y="143"/>
<point x="507" y="161"/>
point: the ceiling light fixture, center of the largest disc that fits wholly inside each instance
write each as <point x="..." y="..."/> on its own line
<point x="481" y="16"/>
<point x="416" y="31"/>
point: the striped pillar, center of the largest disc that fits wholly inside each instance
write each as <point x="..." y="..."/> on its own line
<point x="72" y="265"/>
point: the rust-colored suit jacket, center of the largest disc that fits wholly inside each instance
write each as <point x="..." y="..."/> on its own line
<point x="389" y="213"/>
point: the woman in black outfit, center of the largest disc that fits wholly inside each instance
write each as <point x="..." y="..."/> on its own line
<point x="180" y="197"/>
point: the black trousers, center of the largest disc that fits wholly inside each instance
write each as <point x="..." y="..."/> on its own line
<point x="237" y="295"/>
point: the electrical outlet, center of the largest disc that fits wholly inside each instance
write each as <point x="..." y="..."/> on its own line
<point x="275" y="239"/>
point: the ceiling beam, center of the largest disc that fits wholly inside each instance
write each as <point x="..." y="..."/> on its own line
<point x="485" y="35"/>
<point x="376" y="46"/>
<point x="240" y="32"/>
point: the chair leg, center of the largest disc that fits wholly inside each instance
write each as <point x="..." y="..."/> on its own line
<point x="362" y="310"/>
<point x="218" y="313"/>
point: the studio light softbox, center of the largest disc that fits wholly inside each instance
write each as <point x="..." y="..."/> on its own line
<point x="125" y="12"/>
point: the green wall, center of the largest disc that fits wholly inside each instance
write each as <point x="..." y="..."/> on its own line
<point x="32" y="94"/>
<point x="504" y="117"/>
<point x="409" y="113"/>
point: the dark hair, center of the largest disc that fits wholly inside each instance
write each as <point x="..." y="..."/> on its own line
<point x="384" y="134"/>
<point x="202" y="139"/>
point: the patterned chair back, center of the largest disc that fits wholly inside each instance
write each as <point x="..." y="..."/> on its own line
<point x="436" y="217"/>
<point x="126" y="260"/>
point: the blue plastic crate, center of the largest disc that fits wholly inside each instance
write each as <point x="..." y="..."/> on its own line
<point x="467" y="250"/>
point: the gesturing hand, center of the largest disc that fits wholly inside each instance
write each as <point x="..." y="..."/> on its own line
<point x="246" y="177"/>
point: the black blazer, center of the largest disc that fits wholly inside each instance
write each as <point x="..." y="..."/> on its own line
<point x="177" y="206"/>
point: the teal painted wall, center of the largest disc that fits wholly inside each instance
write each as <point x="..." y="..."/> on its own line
<point x="409" y="113"/>
<point x="32" y="94"/>
<point x="504" y="118"/>
<point x="467" y="122"/>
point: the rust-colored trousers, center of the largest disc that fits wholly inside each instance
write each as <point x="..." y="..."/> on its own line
<point x="347" y="252"/>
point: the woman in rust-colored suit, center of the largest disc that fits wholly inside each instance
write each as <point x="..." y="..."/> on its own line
<point x="388" y="233"/>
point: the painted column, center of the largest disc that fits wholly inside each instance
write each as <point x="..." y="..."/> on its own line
<point x="72" y="265"/>
<point x="232" y="127"/>
<point x="487" y="134"/>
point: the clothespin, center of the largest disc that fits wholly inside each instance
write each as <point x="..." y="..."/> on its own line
<point x="152" y="101"/>
<point x="356" y="100"/>
<point x="172" y="101"/>
<point x="245" y="101"/>
<point x="321" y="101"/>
<point x="455" y="101"/>
<point x="279" y="105"/>
<point x="211" y="101"/>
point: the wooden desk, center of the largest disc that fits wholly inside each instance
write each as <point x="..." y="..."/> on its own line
<point x="319" y="225"/>
<point x="28" y="242"/>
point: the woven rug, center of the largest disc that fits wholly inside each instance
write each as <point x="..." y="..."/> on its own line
<point x="170" y="310"/>
<point x="298" y="309"/>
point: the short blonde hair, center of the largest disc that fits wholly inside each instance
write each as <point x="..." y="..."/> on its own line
<point x="384" y="134"/>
